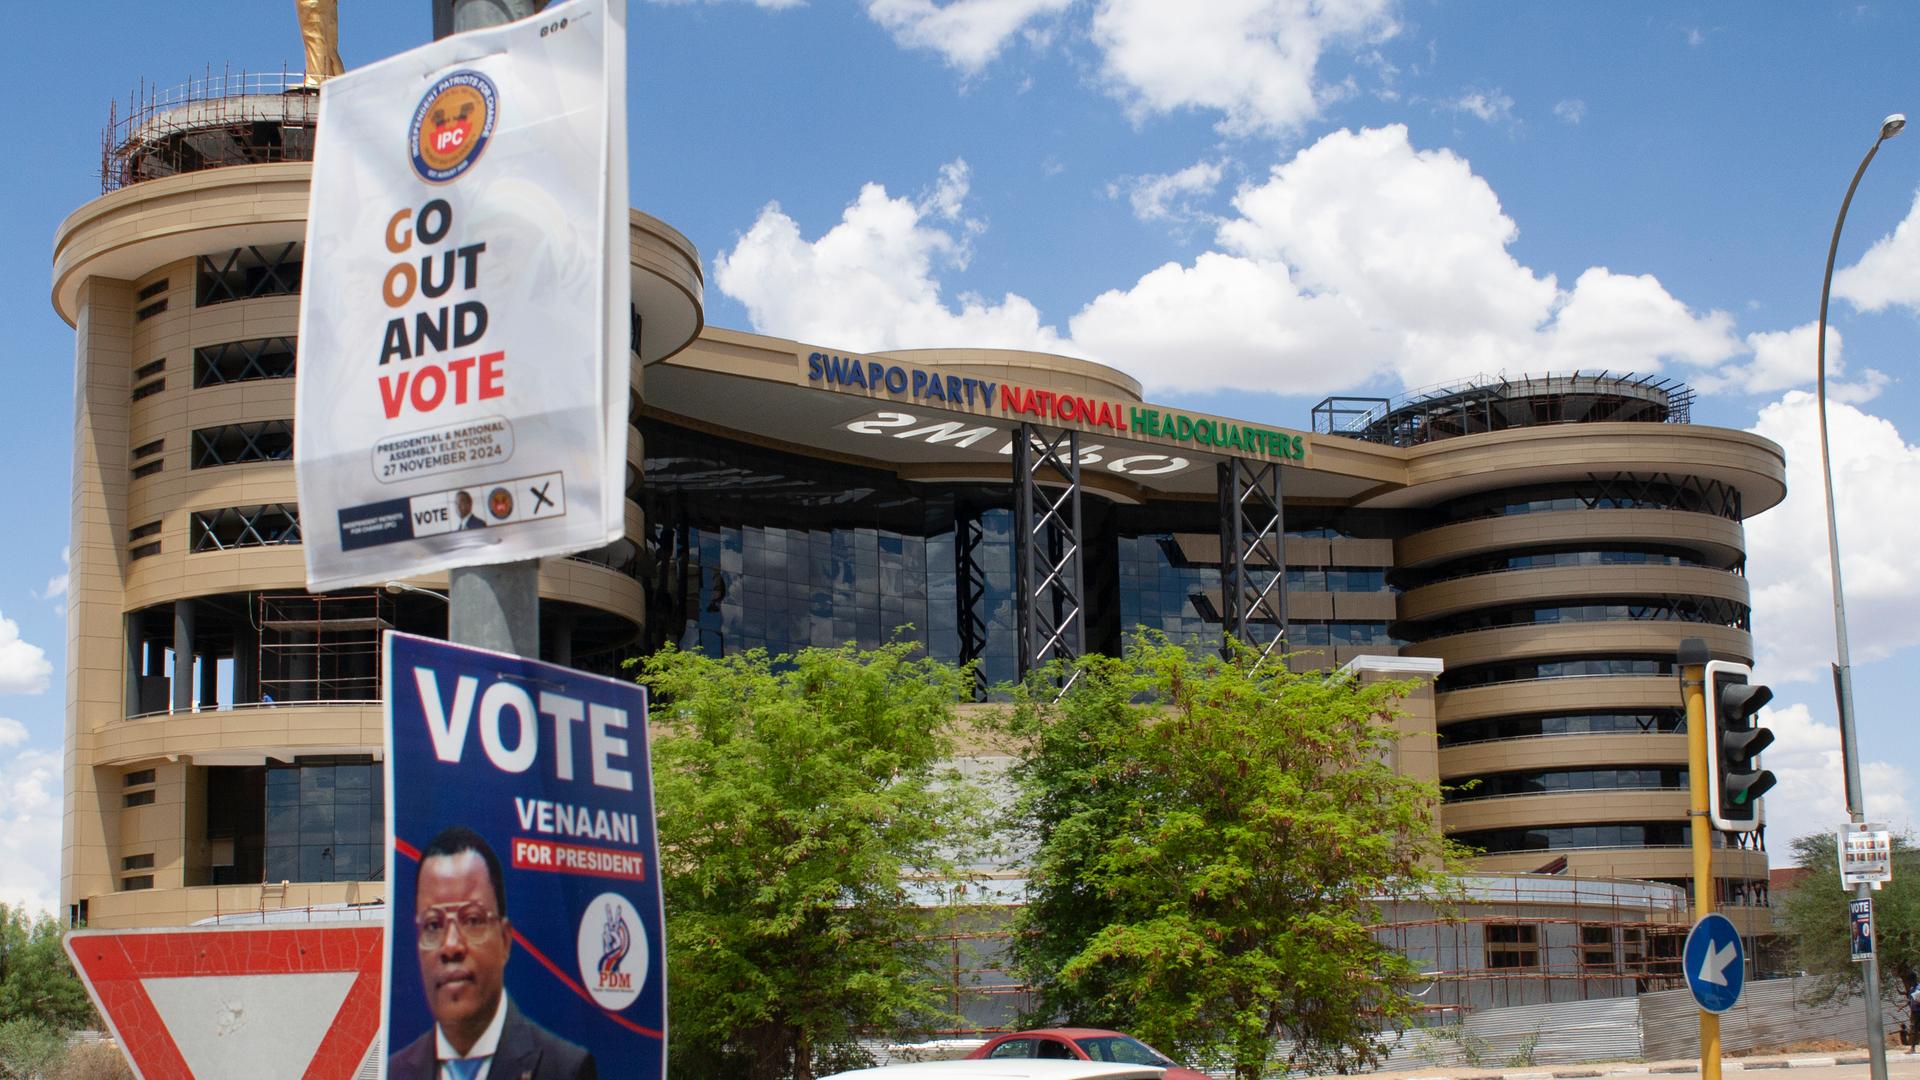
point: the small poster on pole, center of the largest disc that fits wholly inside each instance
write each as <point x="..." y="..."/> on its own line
<point x="1866" y="855"/>
<point x="1860" y="919"/>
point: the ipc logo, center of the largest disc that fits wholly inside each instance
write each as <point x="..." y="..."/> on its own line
<point x="613" y="952"/>
<point x="451" y="126"/>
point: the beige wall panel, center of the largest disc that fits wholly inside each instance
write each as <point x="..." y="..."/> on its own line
<point x="1346" y="552"/>
<point x="1569" y="808"/>
<point x="1374" y="606"/>
<point x="178" y="907"/>
<point x="1309" y="605"/>
<point x="1673" y="862"/>
<point x="1302" y="551"/>
<point x="1718" y="538"/>
<point x="287" y="728"/>
<point x="1579" y="639"/>
<point x="1587" y="584"/>
<point x="1472" y="463"/>
<point x="1561" y="751"/>
<point x="1587" y="693"/>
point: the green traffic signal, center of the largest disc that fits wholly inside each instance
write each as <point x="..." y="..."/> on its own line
<point x="1735" y="740"/>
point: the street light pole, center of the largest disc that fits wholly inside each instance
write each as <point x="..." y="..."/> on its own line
<point x="493" y="607"/>
<point x="1842" y="667"/>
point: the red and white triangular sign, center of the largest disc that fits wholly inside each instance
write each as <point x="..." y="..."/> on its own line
<point x="292" y="1002"/>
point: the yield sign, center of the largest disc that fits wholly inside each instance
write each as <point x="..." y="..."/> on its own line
<point x="278" y="1003"/>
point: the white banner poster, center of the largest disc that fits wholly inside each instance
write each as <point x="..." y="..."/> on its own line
<point x="461" y="396"/>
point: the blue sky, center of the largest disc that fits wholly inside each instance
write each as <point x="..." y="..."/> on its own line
<point x="1248" y="204"/>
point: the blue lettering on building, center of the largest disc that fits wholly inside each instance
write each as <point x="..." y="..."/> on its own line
<point x="955" y="391"/>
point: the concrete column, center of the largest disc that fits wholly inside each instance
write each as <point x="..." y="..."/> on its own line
<point x="246" y="662"/>
<point x="183" y="613"/>
<point x="136" y="662"/>
<point x="209" y="682"/>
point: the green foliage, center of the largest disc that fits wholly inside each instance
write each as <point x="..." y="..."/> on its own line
<point x="37" y="982"/>
<point x="29" y="1049"/>
<point x="798" y="797"/>
<point x="1213" y="839"/>
<point x="1815" y="913"/>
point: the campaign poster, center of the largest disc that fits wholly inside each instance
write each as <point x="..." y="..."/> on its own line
<point x="464" y="314"/>
<point x="524" y="913"/>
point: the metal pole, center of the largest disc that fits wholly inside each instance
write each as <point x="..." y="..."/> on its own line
<point x="1693" y="677"/>
<point x="1843" y="668"/>
<point x="491" y="607"/>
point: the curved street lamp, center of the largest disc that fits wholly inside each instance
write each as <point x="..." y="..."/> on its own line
<point x="1842" y="667"/>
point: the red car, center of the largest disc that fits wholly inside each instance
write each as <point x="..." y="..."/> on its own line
<point x="1082" y="1044"/>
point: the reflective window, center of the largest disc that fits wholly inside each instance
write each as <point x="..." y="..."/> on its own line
<point x="1706" y="610"/>
<point x="325" y="822"/>
<point x="237" y="444"/>
<point x="244" y="361"/>
<point x="248" y="272"/>
<point x="243" y="526"/>
<point x="1488" y="674"/>
<point x="1553" y="781"/>
<point x="1620" y="492"/>
<point x="1648" y="834"/>
<point x="1649" y="722"/>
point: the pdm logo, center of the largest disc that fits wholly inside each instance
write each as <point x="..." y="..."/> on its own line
<point x="613" y="952"/>
<point x="451" y="126"/>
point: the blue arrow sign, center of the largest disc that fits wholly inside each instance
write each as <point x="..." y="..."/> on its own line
<point x="1715" y="965"/>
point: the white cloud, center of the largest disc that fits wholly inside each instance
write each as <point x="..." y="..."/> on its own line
<point x="12" y="732"/>
<point x="1230" y="322"/>
<point x="1876" y="477"/>
<point x="1489" y="106"/>
<point x="30" y="830"/>
<point x="56" y="589"/>
<point x="1393" y="260"/>
<point x="968" y="33"/>
<point x="1785" y="360"/>
<point x="1571" y="110"/>
<point x="1169" y="196"/>
<point x="1889" y="273"/>
<point x="1254" y="61"/>
<point x="871" y="281"/>
<point x="1811" y="796"/>
<point x="1361" y="258"/>
<point x="24" y="668"/>
<point x="770" y="5"/>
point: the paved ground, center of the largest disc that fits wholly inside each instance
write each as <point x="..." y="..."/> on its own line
<point x="1849" y="1065"/>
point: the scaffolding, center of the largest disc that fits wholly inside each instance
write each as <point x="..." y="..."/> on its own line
<point x="1525" y="939"/>
<point x="322" y="648"/>
<point x="1497" y="403"/>
<point x="1506" y="939"/>
<point x="223" y="118"/>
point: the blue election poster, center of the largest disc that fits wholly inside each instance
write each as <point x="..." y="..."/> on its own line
<point x="524" y="930"/>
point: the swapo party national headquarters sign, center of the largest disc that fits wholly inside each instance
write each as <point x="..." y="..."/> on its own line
<point x="524" y="895"/>
<point x="464" y="328"/>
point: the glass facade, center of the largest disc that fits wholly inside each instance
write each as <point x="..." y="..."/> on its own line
<point x="316" y="819"/>
<point x="758" y="549"/>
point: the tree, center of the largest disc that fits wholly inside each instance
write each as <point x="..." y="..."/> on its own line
<point x="799" y="799"/>
<point x="37" y="982"/>
<point x="1814" y="909"/>
<point x="1214" y="836"/>
<point x="40" y="997"/>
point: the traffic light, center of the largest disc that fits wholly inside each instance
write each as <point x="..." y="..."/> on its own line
<point x="1735" y="780"/>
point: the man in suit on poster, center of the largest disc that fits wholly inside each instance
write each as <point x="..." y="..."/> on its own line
<point x="464" y="938"/>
